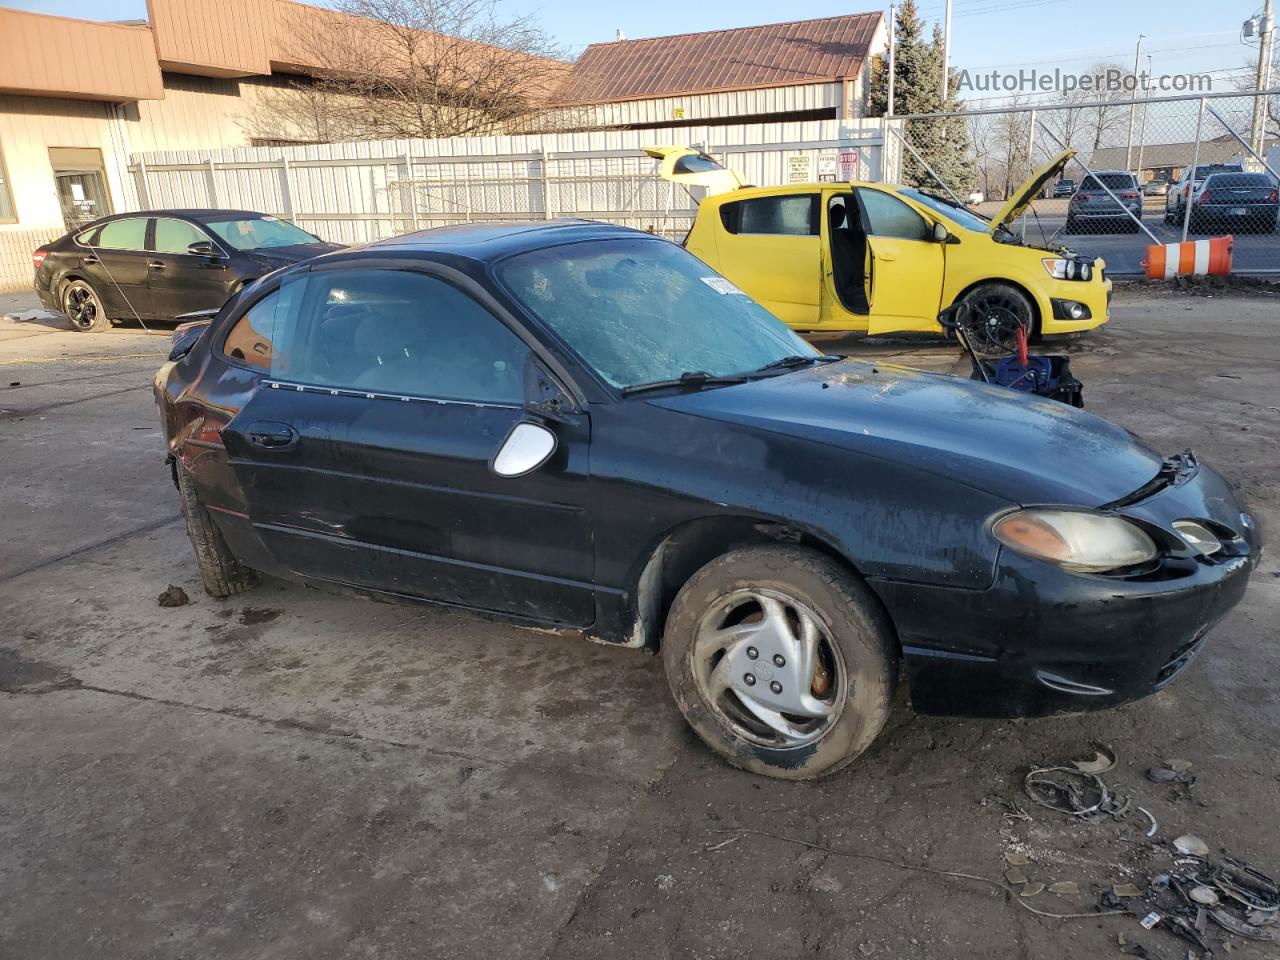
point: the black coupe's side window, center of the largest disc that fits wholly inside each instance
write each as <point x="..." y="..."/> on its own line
<point x="397" y="332"/>
<point x="252" y="339"/>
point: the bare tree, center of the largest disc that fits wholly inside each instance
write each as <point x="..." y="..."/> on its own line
<point x="391" y="69"/>
<point x="1102" y="116"/>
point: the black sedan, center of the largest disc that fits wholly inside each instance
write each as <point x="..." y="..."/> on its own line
<point x="582" y="427"/>
<point x="159" y="264"/>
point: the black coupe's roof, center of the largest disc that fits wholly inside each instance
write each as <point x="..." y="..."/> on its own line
<point x="484" y="241"/>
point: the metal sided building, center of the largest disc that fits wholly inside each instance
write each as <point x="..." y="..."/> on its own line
<point x="802" y="70"/>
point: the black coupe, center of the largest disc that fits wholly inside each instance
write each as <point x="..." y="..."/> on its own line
<point x="160" y="264"/>
<point x="578" y="426"/>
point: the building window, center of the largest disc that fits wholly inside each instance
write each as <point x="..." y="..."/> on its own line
<point x="7" y="213"/>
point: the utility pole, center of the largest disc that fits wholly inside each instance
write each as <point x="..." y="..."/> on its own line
<point x="1146" y="108"/>
<point x="946" y="50"/>
<point x="893" y="46"/>
<point x="1267" y="32"/>
<point x="1133" y="107"/>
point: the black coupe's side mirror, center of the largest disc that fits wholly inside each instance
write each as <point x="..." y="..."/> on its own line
<point x="527" y="447"/>
<point x="202" y="248"/>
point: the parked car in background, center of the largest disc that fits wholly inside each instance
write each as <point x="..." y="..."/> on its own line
<point x="159" y="264"/>
<point x="883" y="257"/>
<point x="582" y="427"/>
<point x="976" y="197"/>
<point x="1155" y="188"/>
<point x="1235" y="201"/>
<point x="1189" y="182"/>
<point x="1107" y="201"/>
<point x="1064" y="188"/>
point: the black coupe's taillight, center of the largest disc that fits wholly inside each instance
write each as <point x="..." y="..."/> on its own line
<point x="37" y="257"/>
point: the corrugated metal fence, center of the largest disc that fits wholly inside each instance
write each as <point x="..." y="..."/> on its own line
<point x="358" y="192"/>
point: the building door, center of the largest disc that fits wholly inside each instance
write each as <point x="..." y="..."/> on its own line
<point x="81" y="181"/>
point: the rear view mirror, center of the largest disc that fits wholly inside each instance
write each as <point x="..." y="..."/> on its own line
<point x="202" y="248"/>
<point x="528" y="446"/>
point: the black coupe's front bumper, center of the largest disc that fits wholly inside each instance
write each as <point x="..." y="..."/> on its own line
<point x="1041" y="640"/>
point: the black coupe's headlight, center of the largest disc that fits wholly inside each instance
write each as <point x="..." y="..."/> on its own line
<point x="1078" y="540"/>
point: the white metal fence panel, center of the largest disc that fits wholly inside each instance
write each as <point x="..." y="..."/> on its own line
<point x="357" y="192"/>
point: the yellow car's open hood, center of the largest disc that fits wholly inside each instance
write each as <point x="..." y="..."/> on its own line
<point x="694" y="168"/>
<point x="1021" y="198"/>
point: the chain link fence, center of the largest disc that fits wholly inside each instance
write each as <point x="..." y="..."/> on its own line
<point x="1145" y="171"/>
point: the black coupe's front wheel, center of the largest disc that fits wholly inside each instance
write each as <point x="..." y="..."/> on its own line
<point x="82" y="306"/>
<point x="223" y="575"/>
<point x="780" y="660"/>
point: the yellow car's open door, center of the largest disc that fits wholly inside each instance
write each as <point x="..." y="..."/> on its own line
<point x="694" y="168"/>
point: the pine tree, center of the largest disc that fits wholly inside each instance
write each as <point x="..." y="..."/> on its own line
<point x="943" y="142"/>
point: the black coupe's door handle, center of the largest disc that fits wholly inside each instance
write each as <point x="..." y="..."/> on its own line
<point x="156" y="264"/>
<point x="89" y="259"/>
<point x="273" y="436"/>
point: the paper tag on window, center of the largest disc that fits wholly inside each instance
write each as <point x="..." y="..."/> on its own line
<point x="721" y="285"/>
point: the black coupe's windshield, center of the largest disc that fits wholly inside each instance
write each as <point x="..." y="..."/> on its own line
<point x="640" y="311"/>
<point x="950" y="209"/>
<point x="259" y="233"/>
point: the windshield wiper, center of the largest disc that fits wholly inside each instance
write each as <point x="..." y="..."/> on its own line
<point x="690" y="378"/>
<point x="797" y="360"/>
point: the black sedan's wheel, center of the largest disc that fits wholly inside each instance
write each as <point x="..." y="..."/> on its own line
<point x="781" y="661"/>
<point x="997" y="311"/>
<point x="83" y="308"/>
<point x="223" y="575"/>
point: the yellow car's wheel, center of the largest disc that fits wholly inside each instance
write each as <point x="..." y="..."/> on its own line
<point x="998" y="310"/>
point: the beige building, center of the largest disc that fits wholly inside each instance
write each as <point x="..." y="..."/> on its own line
<point x="79" y="98"/>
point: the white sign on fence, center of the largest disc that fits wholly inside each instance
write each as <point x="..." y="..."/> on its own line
<point x="799" y="168"/>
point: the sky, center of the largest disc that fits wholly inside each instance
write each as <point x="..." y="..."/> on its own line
<point x="1183" y="35"/>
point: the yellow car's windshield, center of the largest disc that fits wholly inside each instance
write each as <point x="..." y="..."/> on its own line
<point x="949" y="209"/>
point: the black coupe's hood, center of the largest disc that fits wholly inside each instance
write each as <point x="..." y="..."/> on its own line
<point x="1023" y="448"/>
<point x="273" y="257"/>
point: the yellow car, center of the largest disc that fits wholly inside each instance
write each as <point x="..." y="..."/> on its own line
<point x="884" y="258"/>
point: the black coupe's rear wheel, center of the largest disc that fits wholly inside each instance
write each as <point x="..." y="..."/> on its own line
<point x="223" y="575"/>
<point x="83" y="308"/>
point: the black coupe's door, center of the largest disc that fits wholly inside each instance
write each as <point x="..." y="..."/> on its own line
<point x="365" y="458"/>
<point x="179" y="281"/>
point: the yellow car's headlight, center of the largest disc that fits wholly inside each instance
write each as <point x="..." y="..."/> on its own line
<point x="1062" y="269"/>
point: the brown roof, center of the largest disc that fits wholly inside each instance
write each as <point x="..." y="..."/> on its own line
<point x="772" y="55"/>
<point x="1219" y="150"/>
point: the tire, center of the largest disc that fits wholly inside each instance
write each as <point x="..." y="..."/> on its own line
<point x="1069" y="226"/>
<point x="993" y="301"/>
<point x="223" y="575"/>
<point x="853" y="681"/>
<point x="82" y="307"/>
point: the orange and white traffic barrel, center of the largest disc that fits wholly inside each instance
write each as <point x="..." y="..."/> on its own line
<point x="1211" y="256"/>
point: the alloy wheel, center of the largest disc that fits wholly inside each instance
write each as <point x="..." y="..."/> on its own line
<point x="996" y="317"/>
<point x="81" y="306"/>
<point x="766" y="664"/>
